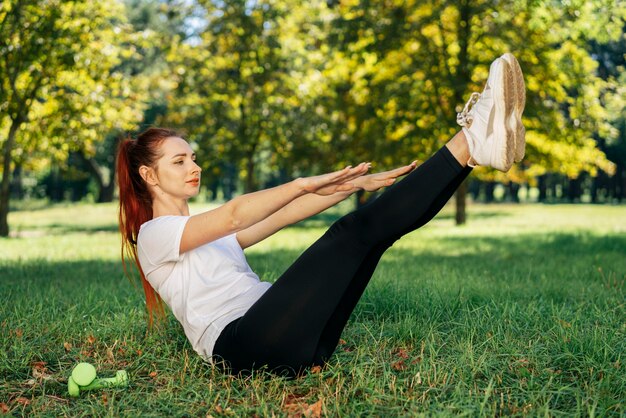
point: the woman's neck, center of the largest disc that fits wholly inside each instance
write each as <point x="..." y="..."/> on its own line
<point x="169" y="207"/>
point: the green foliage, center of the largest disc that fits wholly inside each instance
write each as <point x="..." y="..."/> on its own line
<point x="275" y="89"/>
<point x="59" y="86"/>
<point x="611" y="58"/>
<point x="566" y="94"/>
<point x="414" y="64"/>
<point x="59" y="75"/>
<point x="231" y="93"/>
<point x="320" y="84"/>
<point x="519" y="313"/>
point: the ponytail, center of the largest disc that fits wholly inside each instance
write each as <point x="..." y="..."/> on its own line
<point x="136" y="203"/>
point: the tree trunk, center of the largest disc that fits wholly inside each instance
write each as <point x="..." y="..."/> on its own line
<point x="513" y="189"/>
<point x="6" y="177"/>
<point x="105" y="189"/>
<point x="229" y="181"/>
<point x="620" y="175"/>
<point x="474" y="189"/>
<point x="490" y="186"/>
<point x="17" y="183"/>
<point x="574" y="190"/>
<point x="595" y="183"/>
<point x="108" y="191"/>
<point x="461" y="198"/>
<point x="464" y="75"/>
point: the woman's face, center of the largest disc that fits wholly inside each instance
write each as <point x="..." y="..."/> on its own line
<point x="177" y="173"/>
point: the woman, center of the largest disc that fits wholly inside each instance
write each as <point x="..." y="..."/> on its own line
<point x="197" y="266"/>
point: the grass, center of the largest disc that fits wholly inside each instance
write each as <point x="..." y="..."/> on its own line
<point x="521" y="312"/>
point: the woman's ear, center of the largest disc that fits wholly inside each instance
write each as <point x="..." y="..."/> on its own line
<point x="148" y="175"/>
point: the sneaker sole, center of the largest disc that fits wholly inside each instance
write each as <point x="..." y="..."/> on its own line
<point x="519" y="101"/>
<point x="504" y="99"/>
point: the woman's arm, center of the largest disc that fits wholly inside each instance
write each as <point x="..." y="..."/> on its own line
<point x="301" y="208"/>
<point x="311" y="204"/>
<point x="249" y="209"/>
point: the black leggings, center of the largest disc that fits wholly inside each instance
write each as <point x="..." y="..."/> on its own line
<point x="298" y="321"/>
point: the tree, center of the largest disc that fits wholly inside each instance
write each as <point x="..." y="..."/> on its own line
<point x="610" y="53"/>
<point x="423" y="58"/>
<point x="231" y="88"/>
<point x="326" y="83"/>
<point x="152" y="26"/>
<point x="57" y="81"/>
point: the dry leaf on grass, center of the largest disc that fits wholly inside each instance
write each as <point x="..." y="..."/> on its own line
<point x="401" y="352"/>
<point x="399" y="365"/>
<point x="39" y="364"/>
<point x="314" y="410"/>
<point x="40" y="371"/>
<point x="221" y="411"/>
<point x="110" y="356"/>
<point x="301" y="409"/>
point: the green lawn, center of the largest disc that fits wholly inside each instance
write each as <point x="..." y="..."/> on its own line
<point x="521" y="312"/>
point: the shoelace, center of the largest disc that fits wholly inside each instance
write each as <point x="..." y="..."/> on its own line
<point x="465" y="118"/>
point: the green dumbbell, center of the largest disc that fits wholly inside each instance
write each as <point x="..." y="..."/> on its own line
<point x="84" y="378"/>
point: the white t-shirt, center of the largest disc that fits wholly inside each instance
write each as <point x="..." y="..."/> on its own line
<point x="206" y="288"/>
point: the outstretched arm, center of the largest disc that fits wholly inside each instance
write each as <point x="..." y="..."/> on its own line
<point x="311" y="204"/>
<point x="249" y="209"/>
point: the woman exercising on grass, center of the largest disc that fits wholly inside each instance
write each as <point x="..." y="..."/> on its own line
<point x="197" y="266"/>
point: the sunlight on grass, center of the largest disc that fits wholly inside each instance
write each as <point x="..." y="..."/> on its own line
<point x="519" y="312"/>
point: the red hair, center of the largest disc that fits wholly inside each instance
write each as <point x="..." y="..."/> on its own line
<point x="136" y="202"/>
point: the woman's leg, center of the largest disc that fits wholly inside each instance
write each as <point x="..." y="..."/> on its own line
<point x="330" y="336"/>
<point x="284" y="328"/>
<point x="288" y="325"/>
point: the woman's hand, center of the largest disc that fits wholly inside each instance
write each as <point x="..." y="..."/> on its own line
<point x="373" y="182"/>
<point x="338" y="181"/>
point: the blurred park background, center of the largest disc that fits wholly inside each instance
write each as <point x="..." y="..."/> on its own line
<point x="268" y="90"/>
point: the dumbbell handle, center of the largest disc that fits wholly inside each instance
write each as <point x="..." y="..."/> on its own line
<point x="120" y="379"/>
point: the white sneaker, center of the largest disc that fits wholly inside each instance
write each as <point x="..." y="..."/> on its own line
<point x="491" y="120"/>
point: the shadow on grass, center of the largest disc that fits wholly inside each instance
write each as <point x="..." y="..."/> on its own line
<point x="59" y="313"/>
<point x="58" y="228"/>
<point x="562" y="256"/>
<point x="63" y="312"/>
<point x="73" y="282"/>
<point x="558" y="267"/>
<point x="30" y="205"/>
<point x="562" y="268"/>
